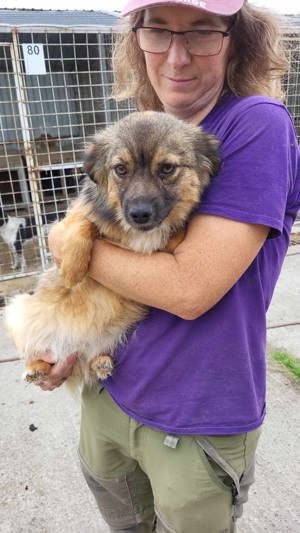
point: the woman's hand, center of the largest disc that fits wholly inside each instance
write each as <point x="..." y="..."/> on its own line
<point x="55" y="241"/>
<point x="59" y="372"/>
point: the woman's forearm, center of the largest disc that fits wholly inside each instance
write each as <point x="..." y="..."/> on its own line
<point x="153" y="280"/>
<point x="188" y="282"/>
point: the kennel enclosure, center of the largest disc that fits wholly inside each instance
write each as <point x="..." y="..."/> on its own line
<point x="55" y="86"/>
<point x="55" y="92"/>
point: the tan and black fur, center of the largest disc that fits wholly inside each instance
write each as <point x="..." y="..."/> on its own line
<point x="145" y="175"/>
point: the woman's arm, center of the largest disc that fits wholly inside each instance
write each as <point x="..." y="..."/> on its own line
<point x="205" y="265"/>
<point x="214" y="254"/>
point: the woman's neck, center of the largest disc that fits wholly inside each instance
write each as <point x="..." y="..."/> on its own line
<point x="196" y="116"/>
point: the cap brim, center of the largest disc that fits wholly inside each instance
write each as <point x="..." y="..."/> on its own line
<point x="218" y="7"/>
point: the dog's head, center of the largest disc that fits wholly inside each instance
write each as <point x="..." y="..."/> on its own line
<point x="149" y="168"/>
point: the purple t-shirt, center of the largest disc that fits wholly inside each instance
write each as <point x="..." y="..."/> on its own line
<point x="207" y="376"/>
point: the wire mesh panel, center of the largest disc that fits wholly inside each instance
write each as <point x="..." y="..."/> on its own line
<point x="55" y="87"/>
<point x="14" y="189"/>
<point x="292" y="80"/>
<point x="50" y="106"/>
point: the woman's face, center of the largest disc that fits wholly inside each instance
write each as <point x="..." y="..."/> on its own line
<point x="187" y="85"/>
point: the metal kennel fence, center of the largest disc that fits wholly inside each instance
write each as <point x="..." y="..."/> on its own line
<point x="291" y="35"/>
<point x="55" y="87"/>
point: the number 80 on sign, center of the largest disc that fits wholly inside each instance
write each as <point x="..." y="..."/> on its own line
<point x="34" y="58"/>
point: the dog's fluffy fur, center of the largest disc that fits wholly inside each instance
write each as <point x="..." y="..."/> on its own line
<point x="145" y="176"/>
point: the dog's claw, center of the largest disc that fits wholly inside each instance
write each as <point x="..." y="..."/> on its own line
<point x="36" y="372"/>
<point x="103" y="366"/>
<point x="34" y="377"/>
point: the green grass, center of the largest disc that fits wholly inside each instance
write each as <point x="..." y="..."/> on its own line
<point x="289" y="362"/>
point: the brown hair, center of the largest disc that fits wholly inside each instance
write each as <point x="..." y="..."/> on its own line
<point x="256" y="65"/>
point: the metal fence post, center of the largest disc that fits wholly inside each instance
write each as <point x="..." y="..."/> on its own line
<point x="33" y="174"/>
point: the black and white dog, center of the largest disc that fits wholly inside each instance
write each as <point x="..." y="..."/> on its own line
<point x="10" y="232"/>
<point x="16" y="230"/>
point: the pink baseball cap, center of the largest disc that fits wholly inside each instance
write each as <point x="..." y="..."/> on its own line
<point x="219" y="7"/>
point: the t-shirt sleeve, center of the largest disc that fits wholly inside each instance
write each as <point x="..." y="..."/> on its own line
<point x="258" y="159"/>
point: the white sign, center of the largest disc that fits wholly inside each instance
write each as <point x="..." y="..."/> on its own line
<point x="34" y="58"/>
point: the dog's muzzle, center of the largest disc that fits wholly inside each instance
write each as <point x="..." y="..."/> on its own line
<point x="142" y="214"/>
<point x="145" y="213"/>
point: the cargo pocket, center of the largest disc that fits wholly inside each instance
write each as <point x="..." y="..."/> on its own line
<point x="220" y="470"/>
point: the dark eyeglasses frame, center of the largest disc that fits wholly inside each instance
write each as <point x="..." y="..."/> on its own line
<point x="223" y="33"/>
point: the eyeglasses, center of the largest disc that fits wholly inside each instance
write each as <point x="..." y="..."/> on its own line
<point x="197" y="42"/>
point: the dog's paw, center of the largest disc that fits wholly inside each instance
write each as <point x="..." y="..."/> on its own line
<point x="36" y="372"/>
<point x="103" y="366"/>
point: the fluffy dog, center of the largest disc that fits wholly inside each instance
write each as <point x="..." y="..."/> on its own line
<point x="145" y="175"/>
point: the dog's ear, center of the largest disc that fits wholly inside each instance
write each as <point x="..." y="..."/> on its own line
<point x="207" y="149"/>
<point x="95" y="158"/>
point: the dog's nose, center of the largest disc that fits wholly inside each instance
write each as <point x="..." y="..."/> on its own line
<point x="141" y="213"/>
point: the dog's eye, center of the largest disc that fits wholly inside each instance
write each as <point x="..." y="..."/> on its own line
<point x="121" y="170"/>
<point x="166" y="169"/>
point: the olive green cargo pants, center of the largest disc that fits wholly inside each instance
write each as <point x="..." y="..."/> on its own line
<point x="141" y="477"/>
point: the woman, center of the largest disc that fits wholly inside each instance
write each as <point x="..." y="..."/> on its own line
<point x="171" y="436"/>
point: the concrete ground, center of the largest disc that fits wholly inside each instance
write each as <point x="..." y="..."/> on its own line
<point x="41" y="487"/>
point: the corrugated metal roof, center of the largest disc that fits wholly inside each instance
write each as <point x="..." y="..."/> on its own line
<point x="293" y="23"/>
<point x="66" y="18"/>
<point x="35" y="17"/>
